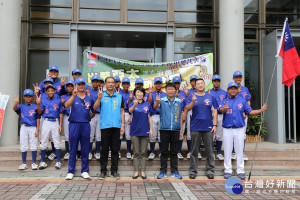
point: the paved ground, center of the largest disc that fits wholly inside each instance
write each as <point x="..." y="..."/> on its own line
<point x="200" y="188"/>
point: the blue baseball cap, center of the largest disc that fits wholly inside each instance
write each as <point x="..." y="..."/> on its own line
<point x="28" y="92"/>
<point x="50" y="86"/>
<point x="101" y="79"/>
<point x="176" y="79"/>
<point x="158" y="79"/>
<point x="79" y="80"/>
<point x="125" y="80"/>
<point x="193" y="77"/>
<point x="117" y="78"/>
<point x="237" y="73"/>
<point x="48" y="79"/>
<point x="216" y="77"/>
<point x="139" y="80"/>
<point x="76" y="71"/>
<point x="53" y="67"/>
<point x="95" y="77"/>
<point x="232" y="84"/>
<point x="70" y="82"/>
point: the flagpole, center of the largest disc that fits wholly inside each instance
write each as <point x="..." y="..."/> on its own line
<point x="289" y="114"/>
<point x="294" y="112"/>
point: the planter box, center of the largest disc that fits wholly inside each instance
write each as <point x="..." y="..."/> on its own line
<point x="253" y="138"/>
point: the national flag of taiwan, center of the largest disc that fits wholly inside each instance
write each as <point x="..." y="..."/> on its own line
<point x="91" y="55"/>
<point x="288" y="52"/>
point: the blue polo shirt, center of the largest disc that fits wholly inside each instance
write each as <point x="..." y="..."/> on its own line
<point x="182" y="97"/>
<point x="140" y="121"/>
<point x="45" y="96"/>
<point x="94" y="95"/>
<point x="202" y="119"/>
<point x="51" y="107"/>
<point x="245" y="93"/>
<point x="154" y="94"/>
<point x="125" y="96"/>
<point x="234" y="117"/>
<point x="170" y="114"/>
<point x="110" y="111"/>
<point x="81" y="109"/>
<point x="219" y="94"/>
<point x="192" y="91"/>
<point x="28" y="114"/>
<point x="66" y="111"/>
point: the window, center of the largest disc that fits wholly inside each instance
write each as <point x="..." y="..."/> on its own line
<point x="147" y="16"/>
<point x="95" y="14"/>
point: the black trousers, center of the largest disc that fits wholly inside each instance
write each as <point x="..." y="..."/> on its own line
<point x="169" y="138"/>
<point x="110" y="138"/>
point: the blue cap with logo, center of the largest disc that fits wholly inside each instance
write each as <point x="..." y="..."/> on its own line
<point x="49" y="79"/>
<point x="53" y="67"/>
<point x="76" y="71"/>
<point x="101" y="79"/>
<point x="70" y="83"/>
<point x="158" y="79"/>
<point x="79" y="80"/>
<point x="50" y="86"/>
<point x="237" y="73"/>
<point x="28" y="92"/>
<point x="117" y="78"/>
<point x="193" y="77"/>
<point x="216" y="77"/>
<point x="232" y="84"/>
<point x="176" y="79"/>
<point x="95" y="77"/>
<point x="139" y="80"/>
<point x="125" y="80"/>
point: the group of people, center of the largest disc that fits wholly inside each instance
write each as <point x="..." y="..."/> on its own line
<point x="105" y="113"/>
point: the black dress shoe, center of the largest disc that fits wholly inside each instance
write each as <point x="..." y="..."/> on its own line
<point x="192" y="176"/>
<point x="144" y="177"/>
<point x="135" y="177"/>
<point x="210" y="176"/>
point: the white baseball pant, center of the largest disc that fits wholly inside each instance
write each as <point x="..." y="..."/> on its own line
<point x="188" y="123"/>
<point x="155" y="128"/>
<point x="127" y="128"/>
<point x="50" y="128"/>
<point x="95" y="128"/>
<point x="219" y="133"/>
<point x="27" y="133"/>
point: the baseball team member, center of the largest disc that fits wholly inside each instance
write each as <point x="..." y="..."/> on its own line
<point x="234" y="108"/>
<point x="51" y="110"/>
<point x="79" y="128"/>
<point x="29" y="127"/>
<point x="117" y="84"/>
<point x="219" y="94"/>
<point x="155" y="116"/>
<point x="76" y="73"/>
<point x="203" y="125"/>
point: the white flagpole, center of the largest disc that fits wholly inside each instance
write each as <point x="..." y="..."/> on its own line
<point x="281" y="38"/>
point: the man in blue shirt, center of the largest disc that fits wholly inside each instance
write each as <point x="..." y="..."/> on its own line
<point x="203" y="125"/>
<point x="112" y="123"/>
<point x="234" y="107"/>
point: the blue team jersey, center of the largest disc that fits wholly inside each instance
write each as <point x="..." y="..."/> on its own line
<point x="140" y="121"/>
<point x="201" y="119"/>
<point x="245" y="93"/>
<point x="154" y="94"/>
<point x="94" y="95"/>
<point x="67" y="111"/>
<point x="59" y="90"/>
<point x="182" y="97"/>
<point x="45" y="96"/>
<point x="81" y="109"/>
<point x="51" y="107"/>
<point x="28" y="114"/>
<point x="219" y="94"/>
<point x="145" y="98"/>
<point x="192" y="91"/>
<point x="234" y="117"/>
<point x="125" y="96"/>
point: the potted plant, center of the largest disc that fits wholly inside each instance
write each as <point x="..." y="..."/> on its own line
<point x="253" y="126"/>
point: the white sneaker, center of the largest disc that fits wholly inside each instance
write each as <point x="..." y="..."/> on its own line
<point x="90" y="156"/>
<point x="199" y="156"/>
<point x="66" y="157"/>
<point x="85" y="175"/>
<point x="132" y="156"/>
<point x="43" y="165"/>
<point x="220" y="157"/>
<point x="151" y="156"/>
<point x="119" y="155"/>
<point x="52" y="156"/>
<point x="128" y="155"/>
<point x="159" y="155"/>
<point x="233" y="156"/>
<point x="179" y="156"/>
<point x="23" y="166"/>
<point x="34" y="166"/>
<point x="58" y="165"/>
<point x="245" y="157"/>
<point x="109" y="154"/>
<point x="69" y="176"/>
<point x="97" y="156"/>
<point x="188" y="156"/>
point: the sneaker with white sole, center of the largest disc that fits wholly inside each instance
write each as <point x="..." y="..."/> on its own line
<point x="220" y="157"/>
<point x="67" y="156"/>
<point x="109" y="154"/>
<point x="151" y="156"/>
<point x="69" y="176"/>
<point x="188" y="156"/>
<point x="90" y="156"/>
<point x="43" y="165"/>
<point x="128" y="155"/>
<point x="85" y="175"/>
<point x="199" y="156"/>
<point x="245" y="157"/>
<point x="23" y="166"/>
<point x="58" y="165"/>
<point x="179" y="156"/>
<point x="97" y="156"/>
<point x="119" y="155"/>
<point x="52" y="156"/>
<point x="233" y="156"/>
<point x="34" y="166"/>
<point x="159" y="155"/>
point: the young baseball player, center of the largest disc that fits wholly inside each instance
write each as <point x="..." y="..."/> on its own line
<point x="69" y="87"/>
<point x="51" y="110"/>
<point x="29" y="127"/>
<point x="158" y="82"/>
<point x="118" y="89"/>
<point x="234" y="107"/>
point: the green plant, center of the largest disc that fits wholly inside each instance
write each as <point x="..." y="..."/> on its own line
<point x="254" y="125"/>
